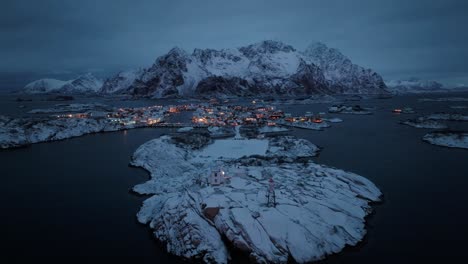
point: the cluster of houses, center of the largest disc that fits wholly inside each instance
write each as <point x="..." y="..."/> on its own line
<point x="205" y="114"/>
<point x="138" y="116"/>
<point x="126" y="116"/>
<point x="235" y="115"/>
<point x="247" y="115"/>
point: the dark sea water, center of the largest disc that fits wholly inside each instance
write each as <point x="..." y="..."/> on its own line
<point x="70" y="199"/>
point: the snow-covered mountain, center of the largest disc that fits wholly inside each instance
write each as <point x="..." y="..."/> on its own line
<point x="414" y="85"/>
<point x="44" y="86"/>
<point x="264" y="68"/>
<point x="86" y="83"/>
<point x="343" y="75"/>
<point x="120" y="82"/>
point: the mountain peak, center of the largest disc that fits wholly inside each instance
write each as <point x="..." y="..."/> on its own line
<point x="177" y="51"/>
<point x="317" y="46"/>
<point x="86" y="83"/>
<point x="265" y="47"/>
<point x="320" y="50"/>
<point x="87" y="76"/>
<point x="267" y="67"/>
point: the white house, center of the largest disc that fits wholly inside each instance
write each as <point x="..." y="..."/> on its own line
<point x="217" y="177"/>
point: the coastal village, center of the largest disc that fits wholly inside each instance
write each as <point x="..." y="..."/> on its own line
<point x="210" y="114"/>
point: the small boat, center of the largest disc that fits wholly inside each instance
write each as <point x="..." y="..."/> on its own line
<point x="397" y="110"/>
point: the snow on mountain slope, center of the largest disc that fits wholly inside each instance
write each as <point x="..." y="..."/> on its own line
<point x="344" y="76"/>
<point x="44" y="86"/>
<point x="227" y="62"/>
<point x="414" y="85"/>
<point x="264" y="68"/>
<point x="121" y="82"/>
<point x="86" y="83"/>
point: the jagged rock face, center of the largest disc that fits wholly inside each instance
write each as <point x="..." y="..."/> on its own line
<point x="311" y="79"/>
<point x="166" y="77"/>
<point x="343" y="75"/>
<point x="265" y="47"/>
<point x="264" y="68"/>
<point x="218" y="86"/>
<point x="121" y="82"/>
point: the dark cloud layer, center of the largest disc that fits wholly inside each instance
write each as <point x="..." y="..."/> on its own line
<point x="398" y="38"/>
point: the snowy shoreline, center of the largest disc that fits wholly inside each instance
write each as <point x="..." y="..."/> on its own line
<point x="331" y="202"/>
<point x="22" y="132"/>
<point x="449" y="139"/>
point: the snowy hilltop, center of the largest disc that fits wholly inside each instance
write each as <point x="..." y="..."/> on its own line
<point x="414" y="85"/>
<point x="263" y="197"/>
<point x="264" y="68"/>
<point x="86" y="83"/>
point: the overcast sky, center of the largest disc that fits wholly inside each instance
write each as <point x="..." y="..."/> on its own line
<point x="397" y="38"/>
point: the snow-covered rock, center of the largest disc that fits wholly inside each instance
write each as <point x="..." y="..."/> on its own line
<point x="306" y="125"/>
<point x="448" y="116"/>
<point x="414" y="85"/>
<point x="424" y="123"/>
<point x="93" y="118"/>
<point x="16" y="132"/>
<point x="216" y="131"/>
<point x="346" y="109"/>
<point x="344" y="76"/>
<point x="448" y="139"/>
<point x="318" y="210"/>
<point x="272" y="129"/>
<point x="445" y="99"/>
<point x="333" y="119"/>
<point x="121" y="82"/>
<point x="86" y="83"/>
<point x="264" y="68"/>
<point x="184" y="129"/>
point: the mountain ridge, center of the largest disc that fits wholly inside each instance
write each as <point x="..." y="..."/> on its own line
<point x="263" y="68"/>
<point x="270" y="68"/>
<point x="86" y="83"/>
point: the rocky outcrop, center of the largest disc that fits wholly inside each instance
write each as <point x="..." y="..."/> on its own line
<point x="318" y="210"/>
<point x="450" y="139"/>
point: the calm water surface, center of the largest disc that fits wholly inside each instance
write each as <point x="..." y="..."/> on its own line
<point x="71" y="198"/>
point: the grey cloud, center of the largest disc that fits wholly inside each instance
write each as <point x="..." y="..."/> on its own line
<point x="397" y="38"/>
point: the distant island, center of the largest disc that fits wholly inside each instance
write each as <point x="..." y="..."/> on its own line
<point x="414" y="85"/>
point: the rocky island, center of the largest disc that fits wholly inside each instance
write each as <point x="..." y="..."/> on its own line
<point x="263" y="197"/>
<point x="422" y="122"/>
<point x="448" y="139"/>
